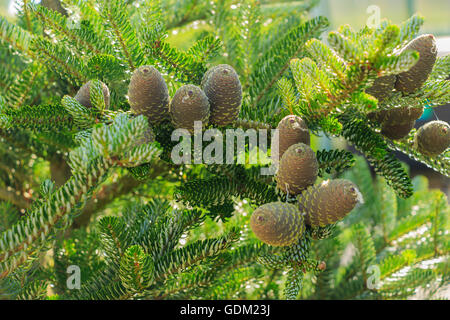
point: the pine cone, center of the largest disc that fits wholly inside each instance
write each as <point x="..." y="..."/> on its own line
<point x="148" y="94"/>
<point x="396" y="131"/>
<point x="400" y="115"/>
<point x="83" y="95"/>
<point x="382" y="87"/>
<point x="432" y="138"/>
<point x="277" y="223"/>
<point x="298" y="169"/>
<point x="291" y="130"/>
<point x="189" y="104"/>
<point x="223" y="89"/>
<point x="328" y="202"/>
<point x="415" y="77"/>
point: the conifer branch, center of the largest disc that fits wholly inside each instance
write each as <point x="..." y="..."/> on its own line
<point x="59" y="23"/>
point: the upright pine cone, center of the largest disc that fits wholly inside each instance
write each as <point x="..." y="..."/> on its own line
<point x="415" y="77"/>
<point x="83" y="95"/>
<point x="328" y="202"/>
<point x="189" y="104"/>
<point x="278" y="223"/>
<point x="396" y="123"/>
<point x="223" y="89"/>
<point x="148" y="94"/>
<point x="400" y="115"/>
<point x="432" y="138"/>
<point x="382" y="87"/>
<point x="298" y="169"/>
<point x="396" y="131"/>
<point x="291" y="130"/>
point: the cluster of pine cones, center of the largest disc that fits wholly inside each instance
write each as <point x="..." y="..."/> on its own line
<point x="434" y="137"/>
<point x="217" y="102"/>
<point x="282" y="223"/>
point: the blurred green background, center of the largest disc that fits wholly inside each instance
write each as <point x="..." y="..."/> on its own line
<point x="354" y="13"/>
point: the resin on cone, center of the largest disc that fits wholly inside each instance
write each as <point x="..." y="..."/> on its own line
<point x="291" y="130"/>
<point x="222" y="87"/>
<point x="83" y="95"/>
<point x="277" y="223"/>
<point x="189" y="104"/>
<point x="415" y="77"/>
<point x="433" y="138"/>
<point x="328" y="202"/>
<point x="298" y="169"/>
<point x="148" y="94"/>
<point x="382" y="87"/>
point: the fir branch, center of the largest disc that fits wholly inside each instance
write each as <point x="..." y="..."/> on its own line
<point x="15" y="241"/>
<point x="441" y="68"/>
<point x="364" y="247"/>
<point x="293" y="284"/>
<point x="39" y="118"/>
<point x="89" y="170"/>
<point x="25" y="86"/>
<point x="17" y="37"/>
<point x="440" y="163"/>
<point x="59" y="23"/>
<point x="409" y="29"/>
<point x="375" y="149"/>
<point x="136" y="269"/>
<point x="334" y="161"/>
<point x="185" y="257"/>
<point x="184" y="66"/>
<point x="60" y="59"/>
<point x="117" y="15"/>
<point x="205" y="49"/>
<point x="271" y="67"/>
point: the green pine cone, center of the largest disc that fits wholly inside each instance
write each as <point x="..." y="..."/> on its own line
<point x="272" y="261"/>
<point x="328" y="202"/>
<point x="320" y="233"/>
<point x="277" y="223"/>
<point x="382" y="87"/>
<point x="189" y="104"/>
<point x="148" y="94"/>
<point x="433" y="138"/>
<point x="223" y="89"/>
<point x="83" y="95"/>
<point x="415" y="77"/>
<point x="291" y="130"/>
<point x="298" y="252"/>
<point x="298" y="169"/>
<point x="396" y="131"/>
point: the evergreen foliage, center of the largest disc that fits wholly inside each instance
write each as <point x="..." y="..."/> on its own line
<point x="86" y="186"/>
